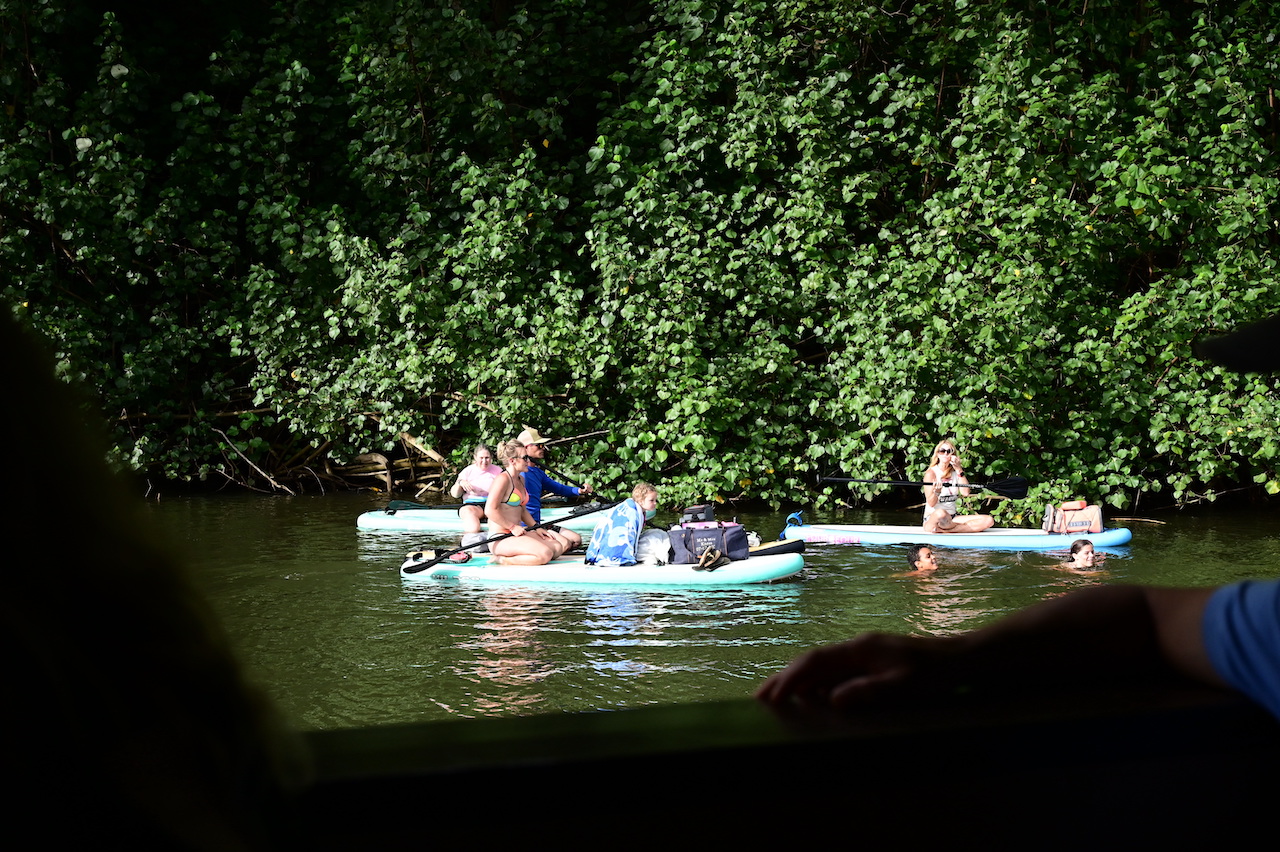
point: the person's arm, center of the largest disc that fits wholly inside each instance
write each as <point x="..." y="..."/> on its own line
<point x="458" y="488"/>
<point x="932" y="490"/>
<point x="1178" y="614"/>
<point x="955" y="472"/>
<point x="560" y="488"/>
<point x="491" y="502"/>
<point x="1100" y="633"/>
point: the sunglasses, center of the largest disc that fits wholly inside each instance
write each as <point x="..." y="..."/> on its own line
<point x="945" y="451"/>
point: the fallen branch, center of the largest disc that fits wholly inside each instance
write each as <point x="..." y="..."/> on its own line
<point x="260" y="471"/>
<point x="232" y="480"/>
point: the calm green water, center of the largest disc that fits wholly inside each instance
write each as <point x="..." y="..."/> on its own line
<point x="322" y="619"/>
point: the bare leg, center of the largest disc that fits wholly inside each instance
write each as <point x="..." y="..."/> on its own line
<point x="527" y="549"/>
<point x="471" y="517"/>
<point x="560" y="542"/>
<point x="565" y="540"/>
<point x="958" y="523"/>
<point x="939" y="521"/>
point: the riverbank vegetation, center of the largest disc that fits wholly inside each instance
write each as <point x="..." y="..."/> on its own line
<point x="753" y="242"/>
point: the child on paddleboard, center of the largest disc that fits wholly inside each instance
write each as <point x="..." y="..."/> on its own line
<point x="617" y="535"/>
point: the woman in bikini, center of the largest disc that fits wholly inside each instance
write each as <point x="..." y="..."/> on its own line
<point x="506" y="511"/>
<point x="946" y="485"/>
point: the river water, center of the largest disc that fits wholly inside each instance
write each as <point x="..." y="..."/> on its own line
<point x="321" y="618"/>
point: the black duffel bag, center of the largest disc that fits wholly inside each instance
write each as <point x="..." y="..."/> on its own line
<point x="690" y="541"/>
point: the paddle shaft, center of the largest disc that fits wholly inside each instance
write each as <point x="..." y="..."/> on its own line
<point x="436" y="560"/>
<point x="595" y="492"/>
<point x="557" y="474"/>
<point x="1014" y="488"/>
<point x="409" y="506"/>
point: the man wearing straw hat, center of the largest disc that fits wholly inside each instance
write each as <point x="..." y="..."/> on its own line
<point x="536" y="480"/>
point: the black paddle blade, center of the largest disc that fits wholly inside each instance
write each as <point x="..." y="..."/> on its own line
<point x="397" y="505"/>
<point x="419" y="560"/>
<point x="1015" y="487"/>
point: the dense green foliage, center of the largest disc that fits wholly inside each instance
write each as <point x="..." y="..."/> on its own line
<point x="754" y="241"/>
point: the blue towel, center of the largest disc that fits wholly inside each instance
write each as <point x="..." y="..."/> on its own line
<point x="614" y="540"/>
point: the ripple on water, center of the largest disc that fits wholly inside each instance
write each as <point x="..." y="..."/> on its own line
<point x="322" y="619"/>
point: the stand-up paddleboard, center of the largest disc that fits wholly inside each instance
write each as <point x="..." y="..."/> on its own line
<point x="996" y="538"/>
<point x="756" y="569"/>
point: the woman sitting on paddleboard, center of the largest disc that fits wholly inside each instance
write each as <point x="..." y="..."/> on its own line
<point x="472" y="485"/>
<point x="946" y="486"/>
<point x="505" y="507"/>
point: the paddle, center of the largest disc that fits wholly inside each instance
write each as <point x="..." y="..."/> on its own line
<point x="557" y="475"/>
<point x="409" y="506"/>
<point x="1015" y="487"/>
<point x="405" y="505"/>
<point x="587" y="509"/>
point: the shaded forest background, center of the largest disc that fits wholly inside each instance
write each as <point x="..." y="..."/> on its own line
<point x="750" y="242"/>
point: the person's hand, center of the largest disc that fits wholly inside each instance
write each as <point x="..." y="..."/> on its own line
<point x="518" y="530"/>
<point x="585" y="488"/>
<point x="868" y="668"/>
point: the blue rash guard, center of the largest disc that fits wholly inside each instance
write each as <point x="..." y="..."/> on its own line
<point x="535" y="482"/>
<point x="1241" y="632"/>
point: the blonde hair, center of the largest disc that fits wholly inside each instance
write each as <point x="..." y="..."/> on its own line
<point x="948" y="442"/>
<point x="641" y="489"/>
<point x="509" y="450"/>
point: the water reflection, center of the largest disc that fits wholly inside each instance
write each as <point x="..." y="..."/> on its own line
<point x="947" y="602"/>
<point x="323" y="619"/>
<point x="524" y="649"/>
<point x="511" y="655"/>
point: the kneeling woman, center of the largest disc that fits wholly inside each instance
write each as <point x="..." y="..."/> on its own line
<point x="945" y="485"/>
<point x="506" y="511"/>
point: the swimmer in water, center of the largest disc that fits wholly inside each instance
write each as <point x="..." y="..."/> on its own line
<point x="923" y="560"/>
<point x="1083" y="558"/>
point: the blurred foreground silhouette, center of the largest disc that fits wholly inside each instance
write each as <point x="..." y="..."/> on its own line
<point x="126" y="718"/>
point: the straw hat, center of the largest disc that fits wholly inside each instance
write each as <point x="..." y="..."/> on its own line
<point x="531" y="436"/>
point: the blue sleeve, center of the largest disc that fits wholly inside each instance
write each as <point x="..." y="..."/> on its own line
<point x="1241" y="630"/>
<point x="533" y="479"/>
<point x="535" y="482"/>
<point x="559" y="487"/>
